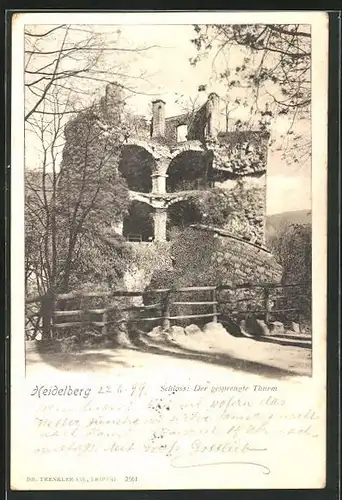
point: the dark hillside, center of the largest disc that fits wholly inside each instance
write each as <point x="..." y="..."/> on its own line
<point x="277" y="222"/>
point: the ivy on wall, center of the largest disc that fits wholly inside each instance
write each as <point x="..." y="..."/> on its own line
<point x="240" y="159"/>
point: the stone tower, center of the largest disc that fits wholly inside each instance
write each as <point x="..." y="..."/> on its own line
<point x="212" y="116"/>
<point x="114" y="99"/>
<point x="158" y="118"/>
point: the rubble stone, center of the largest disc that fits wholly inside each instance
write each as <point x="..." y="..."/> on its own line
<point x="277" y="328"/>
<point x="192" y="329"/>
<point x="295" y="327"/>
<point x="176" y="331"/>
<point x="262" y="327"/>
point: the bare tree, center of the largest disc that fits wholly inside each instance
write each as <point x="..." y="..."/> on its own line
<point x="71" y="189"/>
<point x="72" y="204"/>
<point x="189" y="106"/>
<point x="40" y="200"/>
<point x="71" y="58"/>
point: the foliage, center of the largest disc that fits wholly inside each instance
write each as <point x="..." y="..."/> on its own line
<point x="285" y="57"/>
<point x="247" y="205"/>
<point x="241" y="158"/>
<point x="91" y="196"/>
<point x="191" y="252"/>
<point x="292" y="246"/>
<point x="202" y="258"/>
<point x="272" y="75"/>
<point x="212" y="207"/>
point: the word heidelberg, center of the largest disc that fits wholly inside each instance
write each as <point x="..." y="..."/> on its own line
<point x="67" y="390"/>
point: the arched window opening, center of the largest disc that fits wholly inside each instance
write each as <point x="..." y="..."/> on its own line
<point x="182" y="132"/>
<point x="190" y="170"/>
<point x="136" y="166"/>
<point x="138" y="224"/>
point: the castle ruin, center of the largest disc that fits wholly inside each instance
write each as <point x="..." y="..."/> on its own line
<point x="175" y="157"/>
<point x="168" y="162"/>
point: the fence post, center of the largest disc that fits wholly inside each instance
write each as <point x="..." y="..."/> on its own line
<point x="47" y="311"/>
<point x="267" y="305"/>
<point x="166" y="312"/>
<point x="214" y="306"/>
<point x="104" y="316"/>
<point x="299" y="317"/>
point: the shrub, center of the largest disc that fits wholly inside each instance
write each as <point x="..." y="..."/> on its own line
<point x="292" y="247"/>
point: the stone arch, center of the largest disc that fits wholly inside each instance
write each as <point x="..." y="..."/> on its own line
<point x="136" y="166"/>
<point x="189" y="170"/>
<point x="156" y="149"/>
<point x="138" y="224"/>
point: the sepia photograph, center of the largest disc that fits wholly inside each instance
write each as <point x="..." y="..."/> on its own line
<point x="168" y="190"/>
<point x="167" y="196"/>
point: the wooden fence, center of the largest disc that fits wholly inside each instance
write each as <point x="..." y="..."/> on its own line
<point x="268" y="309"/>
<point x="52" y="316"/>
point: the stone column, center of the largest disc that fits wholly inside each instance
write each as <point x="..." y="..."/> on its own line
<point x="159" y="183"/>
<point x="160" y="218"/>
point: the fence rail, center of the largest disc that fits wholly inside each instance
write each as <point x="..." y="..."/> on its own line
<point x="51" y="310"/>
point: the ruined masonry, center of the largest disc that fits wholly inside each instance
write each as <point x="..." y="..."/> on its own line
<point x="166" y="161"/>
<point x="174" y="157"/>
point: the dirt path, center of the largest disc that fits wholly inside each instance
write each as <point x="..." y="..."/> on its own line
<point x="214" y="351"/>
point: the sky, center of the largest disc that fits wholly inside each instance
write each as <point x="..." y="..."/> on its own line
<point x="169" y="75"/>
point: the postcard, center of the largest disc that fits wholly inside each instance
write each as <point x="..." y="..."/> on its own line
<point x="168" y="250"/>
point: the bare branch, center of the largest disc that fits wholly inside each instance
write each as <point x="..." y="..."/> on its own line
<point x="96" y="49"/>
<point x="297" y="33"/>
<point x="41" y="35"/>
<point x="50" y="83"/>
